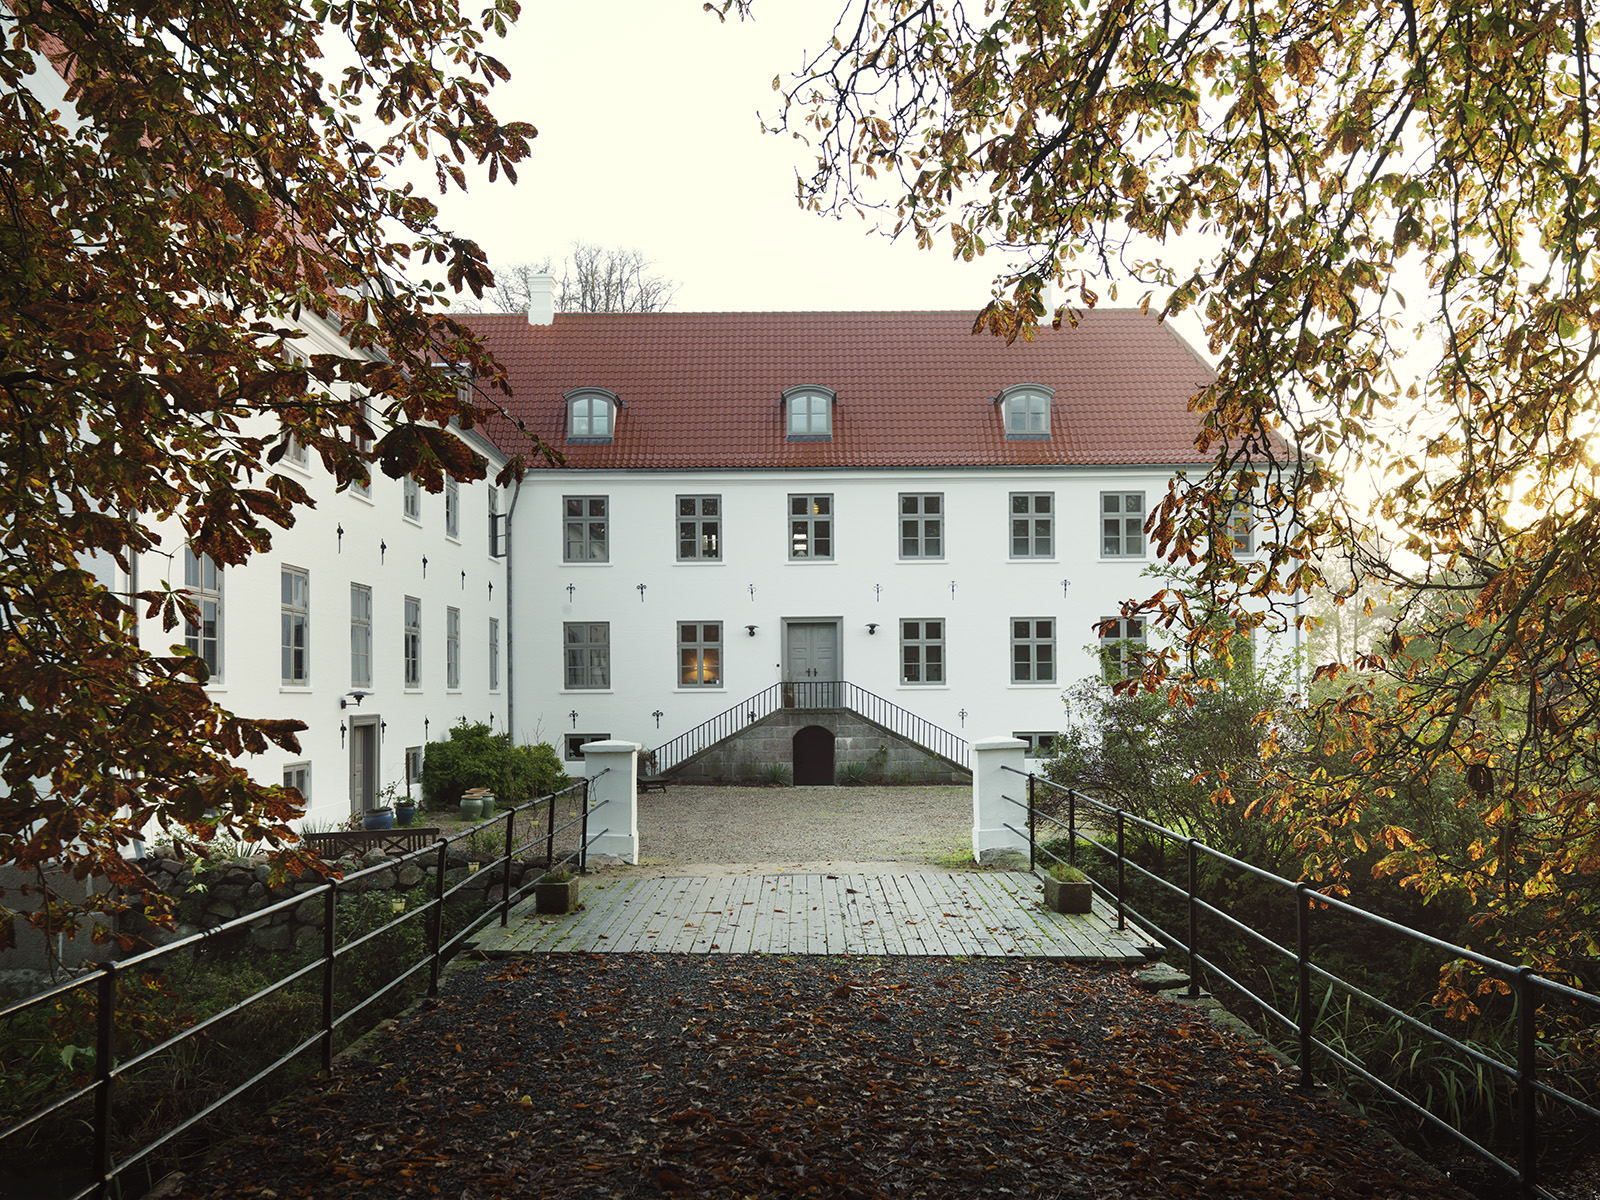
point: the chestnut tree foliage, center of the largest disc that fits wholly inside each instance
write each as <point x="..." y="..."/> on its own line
<point x="1385" y="216"/>
<point x="215" y="172"/>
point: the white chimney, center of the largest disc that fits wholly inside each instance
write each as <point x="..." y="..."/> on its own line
<point x="541" y="299"/>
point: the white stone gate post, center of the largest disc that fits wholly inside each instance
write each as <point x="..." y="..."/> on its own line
<point x="991" y="811"/>
<point x="612" y="769"/>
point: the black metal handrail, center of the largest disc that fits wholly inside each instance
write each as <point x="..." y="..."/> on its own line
<point x="105" y="1172"/>
<point x="1529" y="989"/>
<point x="809" y="694"/>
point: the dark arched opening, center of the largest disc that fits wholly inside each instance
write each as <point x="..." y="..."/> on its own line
<point x="813" y="755"/>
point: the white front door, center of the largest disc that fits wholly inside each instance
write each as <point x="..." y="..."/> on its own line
<point x="363" y="763"/>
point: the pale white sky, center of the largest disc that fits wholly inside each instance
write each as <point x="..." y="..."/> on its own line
<point x="649" y="138"/>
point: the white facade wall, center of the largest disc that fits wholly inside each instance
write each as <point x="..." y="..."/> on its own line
<point x="380" y="548"/>
<point x="976" y="588"/>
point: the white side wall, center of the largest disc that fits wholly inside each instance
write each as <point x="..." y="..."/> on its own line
<point x="977" y="587"/>
<point x="381" y="549"/>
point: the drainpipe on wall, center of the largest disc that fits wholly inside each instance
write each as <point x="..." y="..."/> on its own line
<point x="511" y="620"/>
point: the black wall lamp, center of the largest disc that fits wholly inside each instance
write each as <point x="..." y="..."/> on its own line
<point x="872" y="628"/>
<point x="424" y="566"/>
<point x="750" y="629"/>
<point x="357" y="696"/>
<point x="342" y="731"/>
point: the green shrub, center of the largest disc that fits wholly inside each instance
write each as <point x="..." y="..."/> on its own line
<point x="476" y="756"/>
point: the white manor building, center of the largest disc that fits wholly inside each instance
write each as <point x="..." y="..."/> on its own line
<point x="787" y="520"/>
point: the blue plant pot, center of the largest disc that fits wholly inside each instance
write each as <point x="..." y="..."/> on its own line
<point x="378" y="818"/>
<point x="404" y="814"/>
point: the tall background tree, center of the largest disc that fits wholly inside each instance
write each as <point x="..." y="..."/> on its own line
<point x="1385" y="217"/>
<point x="209" y="177"/>
<point x="590" y="278"/>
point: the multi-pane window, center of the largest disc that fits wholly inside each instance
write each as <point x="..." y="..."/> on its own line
<point x="699" y="527"/>
<point x="1027" y="414"/>
<point x="360" y="636"/>
<point x="1122" y="524"/>
<point x="1041" y="743"/>
<point x="452" y="508"/>
<point x="295" y="452"/>
<point x="363" y="444"/>
<point x="589" y="417"/>
<point x="575" y="742"/>
<point x="497" y="547"/>
<point x="921" y="651"/>
<point x="585" y="528"/>
<point x="452" y="648"/>
<point x="413" y="642"/>
<point x="921" y="525"/>
<point x="810" y="526"/>
<point x="810" y="415"/>
<point x="494" y="654"/>
<point x="1121" y="646"/>
<point x="295" y="601"/>
<point x="411" y="499"/>
<point x="588" y="653"/>
<point x="1033" y="521"/>
<point x="203" y="578"/>
<point x="298" y="777"/>
<point x="1242" y="531"/>
<point x="1033" y="650"/>
<point x="700" y="654"/>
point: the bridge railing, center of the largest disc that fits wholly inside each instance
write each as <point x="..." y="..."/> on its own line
<point x="1106" y="833"/>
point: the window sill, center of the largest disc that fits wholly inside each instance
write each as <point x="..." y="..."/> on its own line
<point x="922" y="687"/>
<point x="1029" y="558"/>
<point x="926" y="558"/>
<point x="716" y="689"/>
<point x="364" y="497"/>
<point x="294" y="689"/>
<point x="699" y="562"/>
<point x="570" y="691"/>
<point x="1032" y="687"/>
<point x="585" y="562"/>
<point x="453" y="538"/>
<point x="796" y="562"/>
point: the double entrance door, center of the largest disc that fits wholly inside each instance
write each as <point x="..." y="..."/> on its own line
<point x="811" y="664"/>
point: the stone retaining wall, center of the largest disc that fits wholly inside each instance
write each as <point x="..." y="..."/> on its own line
<point x="223" y="892"/>
<point x="748" y="755"/>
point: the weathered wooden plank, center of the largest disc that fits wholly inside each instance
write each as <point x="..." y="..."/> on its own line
<point x="814" y="914"/>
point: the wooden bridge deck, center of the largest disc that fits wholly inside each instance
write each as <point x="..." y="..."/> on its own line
<point x="963" y="915"/>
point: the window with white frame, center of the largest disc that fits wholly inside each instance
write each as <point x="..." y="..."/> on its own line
<point x="1027" y="412"/>
<point x="810" y="526"/>
<point x="700" y="654"/>
<point x="591" y="415"/>
<point x="295" y="603"/>
<point x="585" y="528"/>
<point x="494" y="654"/>
<point x="921" y="525"/>
<point x="588" y="653"/>
<point x="413" y="643"/>
<point x="497" y="545"/>
<point x="699" y="528"/>
<point x="1033" y="650"/>
<point x="1241" y="531"/>
<point x="298" y="776"/>
<point x="1041" y="742"/>
<point x="1033" y="524"/>
<point x="411" y="499"/>
<point x="360" y="636"/>
<point x="922" y="651"/>
<point x="294" y="451"/>
<point x="809" y="414"/>
<point x="452" y="508"/>
<point x="1122" y="644"/>
<point x="413" y="767"/>
<point x="1122" y="524"/>
<point x="203" y="579"/>
<point x="361" y="442"/>
<point x="452" y="649"/>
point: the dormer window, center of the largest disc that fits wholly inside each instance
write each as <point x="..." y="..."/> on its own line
<point x="1026" y="408"/>
<point x="809" y="414"/>
<point x="591" y="415"/>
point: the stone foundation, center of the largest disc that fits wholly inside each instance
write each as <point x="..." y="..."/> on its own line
<point x="863" y="752"/>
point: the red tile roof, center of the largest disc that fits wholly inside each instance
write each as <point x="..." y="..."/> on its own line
<point x="914" y="388"/>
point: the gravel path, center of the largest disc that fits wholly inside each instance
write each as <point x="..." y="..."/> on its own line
<point x="738" y="830"/>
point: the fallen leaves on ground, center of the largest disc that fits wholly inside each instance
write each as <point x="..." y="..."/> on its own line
<point x="865" y="1079"/>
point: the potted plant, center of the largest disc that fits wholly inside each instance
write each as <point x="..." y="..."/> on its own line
<point x="381" y="817"/>
<point x="556" y="891"/>
<point x="405" y="810"/>
<point x="1067" y="890"/>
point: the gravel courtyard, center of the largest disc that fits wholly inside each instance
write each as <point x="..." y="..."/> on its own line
<point x="715" y="830"/>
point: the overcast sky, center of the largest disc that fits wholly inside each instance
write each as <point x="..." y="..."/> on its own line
<point x="649" y="138"/>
